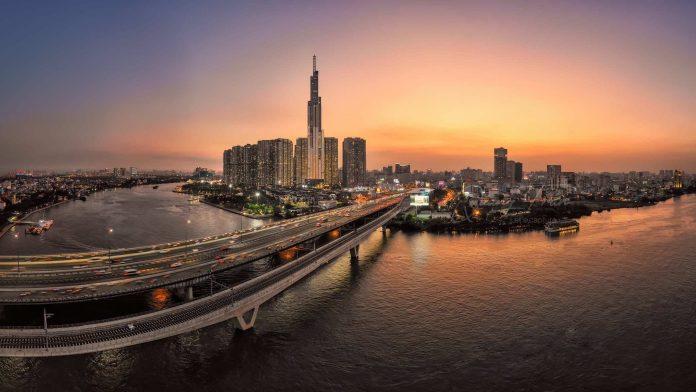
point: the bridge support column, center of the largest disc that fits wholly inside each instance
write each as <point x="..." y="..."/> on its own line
<point x="189" y="293"/>
<point x="384" y="228"/>
<point x="243" y="323"/>
<point x="354" y="252"/>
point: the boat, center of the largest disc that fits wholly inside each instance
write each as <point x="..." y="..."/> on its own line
<point x="561" y="226"/>
<point x="41" y="226"/>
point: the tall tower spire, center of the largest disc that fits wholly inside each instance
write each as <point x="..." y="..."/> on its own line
<point x="315" y="134"/>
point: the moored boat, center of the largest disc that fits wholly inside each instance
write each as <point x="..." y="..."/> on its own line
<point x="561" y="226"/>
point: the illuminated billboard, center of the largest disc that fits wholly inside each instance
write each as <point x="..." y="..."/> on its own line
<point x="419" y="199"/>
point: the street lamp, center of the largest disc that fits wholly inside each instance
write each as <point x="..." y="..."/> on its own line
<point x="188" y="223"/>
<point x="19" y="272"/>
<point x="108" y="241"/>
<point x="46" y="316"/>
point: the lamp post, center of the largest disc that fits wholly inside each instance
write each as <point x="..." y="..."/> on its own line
<point x="108" y="241"/>
<point x="188" y="224"/>
<point x="46" y="316"/>
<point x="19" y="272"/>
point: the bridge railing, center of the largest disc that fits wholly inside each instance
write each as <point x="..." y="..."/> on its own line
<point x="223" y="298"/>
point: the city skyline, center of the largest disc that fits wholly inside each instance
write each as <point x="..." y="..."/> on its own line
<point x="595" y="88"/>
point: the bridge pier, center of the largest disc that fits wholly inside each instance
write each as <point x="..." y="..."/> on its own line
<point x="243" y="323"/>
<point x="185" y="293"/>
<point x="354" y="252"/>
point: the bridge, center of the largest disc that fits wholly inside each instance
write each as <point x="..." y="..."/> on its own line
<point x="56" y="279"/>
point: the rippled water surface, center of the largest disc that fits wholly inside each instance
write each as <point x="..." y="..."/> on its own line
<point x="445" y="312"/>
<point x="138" y="216"/>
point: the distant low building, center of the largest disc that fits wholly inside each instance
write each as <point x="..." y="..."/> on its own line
<point x="203" y="174"/>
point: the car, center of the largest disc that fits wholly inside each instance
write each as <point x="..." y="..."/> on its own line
<point x="195" y="250"/>
<point x="176" y="264"/>
<point x="318" y="225"/>
<point x="130" y="271"/>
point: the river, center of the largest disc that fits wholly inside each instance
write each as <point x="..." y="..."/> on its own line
<point x="611" y="307"/>
<point x="137" y="216"/>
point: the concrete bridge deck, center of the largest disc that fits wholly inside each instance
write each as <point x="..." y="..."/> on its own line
<point x="86" y="279"/>
<point x="241" y="302"/>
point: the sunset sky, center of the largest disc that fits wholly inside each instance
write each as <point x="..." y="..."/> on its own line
<point x="593" y="86"/>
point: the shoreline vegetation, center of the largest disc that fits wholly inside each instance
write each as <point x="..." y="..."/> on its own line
<point x="519" y="218"/>
<point x="238" y="212"/>
<point x="248" y="206"/>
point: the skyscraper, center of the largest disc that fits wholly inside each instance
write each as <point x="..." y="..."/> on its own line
<point x="678" y="182"/>
<point x="282" y="162"/>
<point x="226" y="166"/>
<point x="510" y="170"/>
<point x="354" y="161"/>
<point x="300" y="169"/>
<point x="275" y="162"/>
<point x="499" y="163"/>
<point x="315" y="134"/>
<point x="553" y="176"/>
<point x="402" y="169"/>
<point x="331" y="161"/>
<point x="249" y="166"/>
<point x="265" y="170"/>
<point x="240" y="165"/>
<point x="518" y="172"/>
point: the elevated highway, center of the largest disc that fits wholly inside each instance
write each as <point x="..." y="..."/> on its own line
<point x="240" y="302"/>
<point x="86" y="277"/>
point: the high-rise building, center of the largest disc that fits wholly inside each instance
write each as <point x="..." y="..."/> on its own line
<point x="510" y="170"/>
<point x="678" y="179"/>
<point x="402" y="169"/>
<point x="265" y="170"/>
<point x="387" y="170"/>
<point x="315" y="134"/>
<point x="331" y="161"/>
<point x="499" y="163"/>
<point x="282" y="162"/>
<point x="354" y="161"/>
<point x="553" y="176"/>
<point x="227" y="166"/>
<point x="300" y="168"/>
<point x="518" y="172"/>
<point x="239" y="165"/>
<point x="275" y="162"/>
<point x="250" y="164"/>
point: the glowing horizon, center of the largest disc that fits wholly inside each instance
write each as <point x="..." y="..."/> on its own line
<point x="593" y="86"/>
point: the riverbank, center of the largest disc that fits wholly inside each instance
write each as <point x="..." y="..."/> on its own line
<point x="238" y="212"/>
<point x="4" y="230"/>
<point x="46" y="198"/>
<point x="530" y="220"/>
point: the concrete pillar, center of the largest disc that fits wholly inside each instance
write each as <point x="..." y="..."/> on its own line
<point x="242" y="321"/>
<point x="354" y="252"/>
<point x="189" y="293"/>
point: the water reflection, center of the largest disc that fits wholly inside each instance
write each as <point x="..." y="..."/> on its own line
<point x="136" y="216"/>
<point x="160" y="298"/>
<point x="441" y="312"/>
